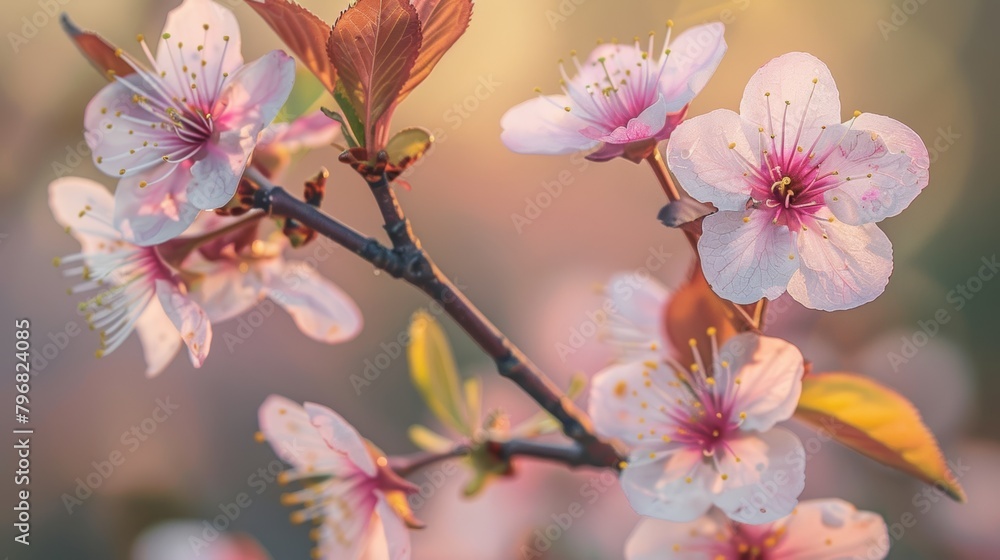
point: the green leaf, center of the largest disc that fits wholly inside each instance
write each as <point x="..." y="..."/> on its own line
<point x="433" y="370"/>
<point x="429" y="440"/>
<point x="877" y="422"/>
<point x="473" y="401"/>
<point x="351" y="143"/>
<point x="350" y="113"/>
<point x="407" y="146"/>
<point x="305" y="93"/>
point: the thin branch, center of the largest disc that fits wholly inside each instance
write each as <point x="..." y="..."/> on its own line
<point x="572" y="455"/>
<point x="663" y="176"/>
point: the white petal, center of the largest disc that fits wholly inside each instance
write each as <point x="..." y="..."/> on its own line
<point x="340" y="436"/>
<point x="185" y="25"/>
<point x="660" y="488"/>
<point x="224" y="292"/>
<point x="158" y="336"/>
<point x="694" y="56"/>
<point x="321" y="310"/>
<point x="655" y="539"/>
<point x="159" y="211"/>
<point x="848" y="268"/>
<point x="542" y="126"/>
<point x="71" y="196"/>
<point x="621" y="401"/>
<point x="390" y="538"/>
<point x="832" y="530"/>
<point x="637" y="324"/>
<point x="745" y="261"/>
<point x="764" y="485"/>
<point x="770" y="372"/>
<point x="790" y="77"/>
<point x="296" y="441"/>
<point x="706" y="167"/>
<point x="190" y="320"/>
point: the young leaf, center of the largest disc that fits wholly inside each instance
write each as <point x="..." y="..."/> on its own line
<point x="303" y="32"/>
<point x="878" y="422"/>
<point x="407" y="146"/>
<point x="305" y="93"/>
<point x="473" y="402"/>
<point x="691" y="311"/>
<point x="350" y="113"/>
<point x="432" y="368"/>
<point x="100" y="53"/>
<point x="429" y="440"/>
<point x="344" y="126"/>
<point x="373" y="46"/>
<point x="442" y="22"/>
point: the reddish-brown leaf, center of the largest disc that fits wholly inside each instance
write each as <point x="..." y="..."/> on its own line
<point x="374" y="45"/>
<point x="442" y="22"/>
<point x="692" y="310"/>
<point x="99" y="52"/>
<point x="303" y="32"/>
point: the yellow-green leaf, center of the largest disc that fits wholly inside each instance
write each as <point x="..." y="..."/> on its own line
<point x="407" y="146"/>
<point x="433" y="370"/>
<point x="877" y="422"/>
<point x="473" y="401"/>
<point x="429" y="440"/>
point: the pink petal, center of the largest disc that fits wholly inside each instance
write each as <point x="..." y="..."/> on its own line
<point x="69" y="196"/>
<point x="746" y="261"/>
<point x="185" y="25"/>
<point x="659" y="488"/>
<point x="394" y="541"/>
<point x="349" y="533"/>
<point x="645" y="126"/>
<point x="616" y="398"/>
<point x="340" y="436"/>
<point x="694" y="56"/>
<point x="223" y="291"/>
<point x="897" y="176"/>
<point x="120" y="146"/>
<point x="705" y="166"/>
<point x="159" y="338"/>
<point x="157" y="212"/>
<point x="315" y="130"/>
<point x="831" y="530"/>
<point x="654" y="539"/>
<point x="790" y="78"/>
<point x="297" y="441"/>
<point x="848" y="268"/>
<point x="542" y="126"/>
<point x="637" y="326"/>
<point x="251" y="99"/>
<point x="190" y="320"/>
<point x="764" y="485"/>
<point x="770" y="371"/>
<point x="321" y="310"/>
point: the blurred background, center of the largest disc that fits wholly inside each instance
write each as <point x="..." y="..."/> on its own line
<point x="929" y="63"/>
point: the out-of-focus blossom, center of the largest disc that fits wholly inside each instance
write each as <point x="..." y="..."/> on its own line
<point x="798" y="192"/>
<point x="138" y="290"/>
<point x="817" y="530"/>
<point x="359" y="504"/>
<point x="703" y="435"/>
<point x="622" y="100"/>
<point x="279" y="141"/>
<point x="180" y="132"/>
<point x="186" y="539"/>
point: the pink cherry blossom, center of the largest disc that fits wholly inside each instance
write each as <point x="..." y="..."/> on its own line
<point x="180" y="132"/>
<point x="236" y="267"/>
<point x="183" y="539"/>
<point x="137" y="289"/>
<point x="356" y="519"/>
<point x="798" y="192"/>
<point x="620" y="97"/>
<point x="701" y="437"/>
<point x="816" y="529"/>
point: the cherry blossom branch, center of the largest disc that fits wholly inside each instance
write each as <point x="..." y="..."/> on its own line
<point x="663" y="176"/>
<point x="408" y="261"/>
<point x="567" y="455"/>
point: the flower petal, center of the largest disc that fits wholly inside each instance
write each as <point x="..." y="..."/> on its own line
<point x="706" y="167"/>
<point x="637" y="324"/>
<point x="832" y="530"/>
<point x="159" y="338"/>
<point x="157" y="212"/>
<point x="252" y="97"/>
<point x="764" y="485"/>
<point x="85" y="207"/>
<point x="800" y="79"/>
<point x="745" y="257"/>
<point x="650" y="121"/>
<point x="542" y="126"/>
<point x="655" y="539"/>
<point x="770" y="372"/>
<point x="694" y="56"/>
<point x="321" y="310"/>
<point x="185" y="27"/>
<point x="842" y="266"/>
<point x="390" y="536"/>
<point x="340" y="436"/>
<point x="224" y="292"/>
<point x="660" y="488"/>
<point x="314" y="130"/>
<point x="190" y="320"/>
<point x="297" y="441"/>
<point x="623" y="396"/>
<point x="883" y="181"/>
